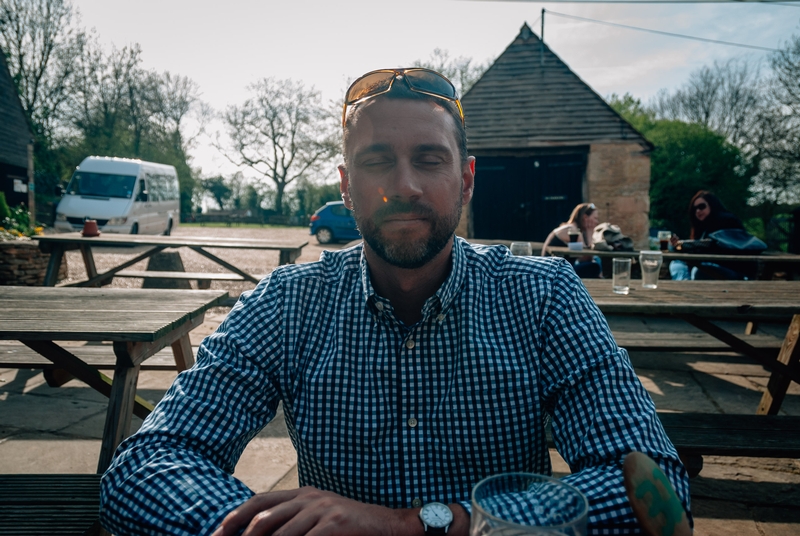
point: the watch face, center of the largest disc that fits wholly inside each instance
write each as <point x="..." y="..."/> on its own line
<point x="436" y="515"/>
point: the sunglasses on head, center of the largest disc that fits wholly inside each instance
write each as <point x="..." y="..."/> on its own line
<point x="417" y="79"/>
<point x="701" y="206"/>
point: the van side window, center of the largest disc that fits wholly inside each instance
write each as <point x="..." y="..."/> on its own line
<point x="142" y="194"/>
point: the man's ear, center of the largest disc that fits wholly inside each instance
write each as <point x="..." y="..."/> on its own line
<point x="344" y="186"/>
<point x="468" y="180"/>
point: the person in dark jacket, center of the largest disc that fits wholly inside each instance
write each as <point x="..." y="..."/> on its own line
<point x="707" y="214"/>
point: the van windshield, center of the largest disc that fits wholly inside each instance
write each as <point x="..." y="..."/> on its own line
<point x="101" y="184"/>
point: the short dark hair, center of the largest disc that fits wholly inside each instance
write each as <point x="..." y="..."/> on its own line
<point x="401" y="91"/>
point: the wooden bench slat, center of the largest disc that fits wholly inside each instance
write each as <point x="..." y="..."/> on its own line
<point x="764" y="436"/>
<point x="99" y="356"/>
<point x="49" y="504"/>
<point x="688" y="342"/>
<point x="206" y="276"/>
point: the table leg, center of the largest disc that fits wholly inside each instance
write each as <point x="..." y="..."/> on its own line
<point x="118" y="416"/>
<point x="53" y="266"/>
<point x="289" y="256"/>
<point x="778" y="383"/>
<point x="182" y="350"/>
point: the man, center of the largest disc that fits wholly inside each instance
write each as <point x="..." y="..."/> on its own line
<point x="409" y="367"/>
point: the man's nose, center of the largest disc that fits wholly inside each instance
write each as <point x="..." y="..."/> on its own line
<point x="406" y="182"/>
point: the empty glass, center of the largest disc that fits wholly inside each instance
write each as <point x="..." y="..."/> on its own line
<point x="621" y="276"/>
<point x="519" y="504"/>
<point x="650" y="261"/>
<point x="521" y="248"/>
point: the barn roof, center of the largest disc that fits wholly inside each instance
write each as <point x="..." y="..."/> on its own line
<point x="530" y="98"/>
<point x="14" y="131"/>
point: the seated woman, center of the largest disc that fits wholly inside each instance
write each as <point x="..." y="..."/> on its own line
<point x="707" y="215"/>
<point x="582" y="221"/>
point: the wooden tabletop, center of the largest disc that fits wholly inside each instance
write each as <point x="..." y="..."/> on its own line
<point x="99" y="314"/>
<point x="675" y="255"/>
<point x="710" y="299"/>
<point x="108" y="239"/>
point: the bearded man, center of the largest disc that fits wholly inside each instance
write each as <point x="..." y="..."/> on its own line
<point x="409" y="367"/>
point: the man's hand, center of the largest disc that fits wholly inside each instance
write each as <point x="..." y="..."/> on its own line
<point x="311" y="511"/>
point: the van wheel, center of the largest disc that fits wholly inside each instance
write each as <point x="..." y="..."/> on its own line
<point x="169" y="228"/>
<point x="324" y="235"/>
<point x="135" y="228"/>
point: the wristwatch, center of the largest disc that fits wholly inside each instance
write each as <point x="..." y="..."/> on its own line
<point x="436" y="518"/>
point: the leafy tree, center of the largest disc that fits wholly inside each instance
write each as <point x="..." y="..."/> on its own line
<point x="687" y="158"/>
<point x="282" y="132"/>
<point x="219" y="190"/>
<point x="462" y="71"/>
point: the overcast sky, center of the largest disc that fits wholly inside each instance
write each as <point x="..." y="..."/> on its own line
<point x="225" y="45"/>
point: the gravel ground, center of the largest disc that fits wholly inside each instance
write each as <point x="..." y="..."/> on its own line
<point x="251" y="261"/>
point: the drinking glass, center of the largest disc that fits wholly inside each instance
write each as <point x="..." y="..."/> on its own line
<point x="521" y="248"/>
<point x="622" y="276"/>
<point x="650" y="261"/>
<point x="520" y="504"/>
<point x="663" y="240"/>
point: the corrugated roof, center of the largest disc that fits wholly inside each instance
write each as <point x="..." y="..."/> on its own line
<point x="530" y="98"/>
<point x="14" y="131"/>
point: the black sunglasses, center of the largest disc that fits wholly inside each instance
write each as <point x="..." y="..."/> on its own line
<point x="417" y="79"/>
<point x="701" y="206"/>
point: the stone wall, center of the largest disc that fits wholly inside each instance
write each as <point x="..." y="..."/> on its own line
<point x="618" y="182"/>
<point x="22" y="264"/>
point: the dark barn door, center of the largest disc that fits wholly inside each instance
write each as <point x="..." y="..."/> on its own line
<point x="525" y="198"/>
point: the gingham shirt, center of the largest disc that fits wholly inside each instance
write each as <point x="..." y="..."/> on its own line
<point x="395" y="415"/>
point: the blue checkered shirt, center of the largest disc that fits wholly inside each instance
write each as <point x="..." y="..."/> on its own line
<point x="390" y="414"/>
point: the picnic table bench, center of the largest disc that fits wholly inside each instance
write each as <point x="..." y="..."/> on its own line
<point x="56" y="245"/>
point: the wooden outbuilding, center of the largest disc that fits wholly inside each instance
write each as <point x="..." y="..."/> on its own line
<point x="544" y="141"/>
<point x="16" y="149"/>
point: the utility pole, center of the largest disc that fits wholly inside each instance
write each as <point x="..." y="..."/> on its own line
<point x="541" y="42"/>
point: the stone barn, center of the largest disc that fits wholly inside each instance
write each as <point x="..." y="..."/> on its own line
<point x="544" y="141"/>
<point x="16" y="149"/>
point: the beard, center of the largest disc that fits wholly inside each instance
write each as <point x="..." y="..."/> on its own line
<point x="408" y="253"/>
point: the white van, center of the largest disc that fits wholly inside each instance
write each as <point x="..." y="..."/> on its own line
<point x="123" y="195"/>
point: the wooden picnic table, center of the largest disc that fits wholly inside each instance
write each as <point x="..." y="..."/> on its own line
<point x="138" y="323"/>
<point x="56" y="245"/>
<point x="701" y="303"/>
<point x="766" y="262"/>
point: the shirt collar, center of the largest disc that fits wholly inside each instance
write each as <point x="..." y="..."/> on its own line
<point x="436" y="304"/>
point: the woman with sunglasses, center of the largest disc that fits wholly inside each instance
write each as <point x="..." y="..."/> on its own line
<point x="707" y="215"/>
<point x="582" y="221"/>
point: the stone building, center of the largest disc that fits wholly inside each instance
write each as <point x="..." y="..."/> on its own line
<point x="544" y="142"/>
<point x="16" y="156"/>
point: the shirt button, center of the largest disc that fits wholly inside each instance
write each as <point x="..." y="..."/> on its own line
<point x="441" y="318"/>
<point x="410" y="344"/>
<point x="379" y="306"/>
<point x="412" y="422"/>
<point x="416" y="503"/>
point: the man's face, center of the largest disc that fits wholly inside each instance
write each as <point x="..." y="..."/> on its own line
<point x="404" y="180"/>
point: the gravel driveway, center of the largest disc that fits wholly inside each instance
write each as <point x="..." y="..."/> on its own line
<point x="251" y="261"/>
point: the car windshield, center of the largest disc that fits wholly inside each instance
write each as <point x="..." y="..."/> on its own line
<point x="101" y="184"/>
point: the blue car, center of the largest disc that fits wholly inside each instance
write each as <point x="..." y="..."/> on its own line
<point x="334" y="222"/>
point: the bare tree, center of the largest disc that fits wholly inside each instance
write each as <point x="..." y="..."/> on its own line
<point x="462" y="71"/>
<point x="777" y="135"/>
<point x="283" y="132"/>
<point x="41" y="42"/>
<point x="724" y="98"/>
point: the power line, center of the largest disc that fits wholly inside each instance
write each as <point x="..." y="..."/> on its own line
<point x="670" y="34"/>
